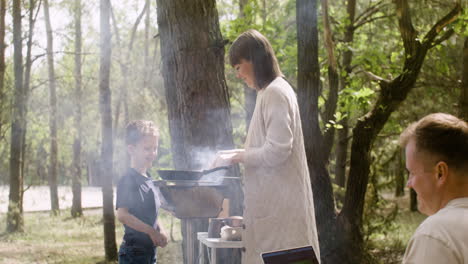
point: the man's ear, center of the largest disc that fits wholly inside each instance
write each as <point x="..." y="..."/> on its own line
<point x="442" y="171"/>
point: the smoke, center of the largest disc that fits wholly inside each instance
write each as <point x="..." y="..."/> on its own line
<point x="204" y="157"/>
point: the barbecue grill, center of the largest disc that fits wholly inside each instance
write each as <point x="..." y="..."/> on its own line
<point x="193" y="194"/>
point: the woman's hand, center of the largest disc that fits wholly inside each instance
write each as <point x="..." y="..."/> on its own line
<point x="228" y="157"/>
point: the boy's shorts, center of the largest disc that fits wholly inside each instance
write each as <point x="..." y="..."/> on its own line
<point x="129" y="254"/>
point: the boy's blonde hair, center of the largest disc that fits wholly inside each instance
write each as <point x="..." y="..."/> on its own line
<point x="138" y="129"/>
<point x="442" y="135"/>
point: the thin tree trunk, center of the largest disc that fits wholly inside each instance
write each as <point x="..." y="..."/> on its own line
<point x="308" y="94"/>
<point x="333" y="83"/>
<point x="197" y="98"/>
<point x="76" y="209"/>
<point x="146" y="59"/>
<point x="53" y="165"/>
<point x="392" y="93"/>
<point x="124" y="62"/>
<point x="400" y="175"/>
<point x="106" y="168"/>
<point x="15" y="211"/>
<point x="2" y="62"/>
<point x="250" y="95"/>
<point x="342" y="153"/>
<point x="463" y="108"/>
<point x="27" y="76"/>
<point x="413" y="200"/>
<point x="342" y="146"/>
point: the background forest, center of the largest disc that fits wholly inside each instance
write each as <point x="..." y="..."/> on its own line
<point x="63" y="124"/>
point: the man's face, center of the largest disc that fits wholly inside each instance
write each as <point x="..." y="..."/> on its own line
<point x="144" y="152"/>
<point x="423" y="178"/>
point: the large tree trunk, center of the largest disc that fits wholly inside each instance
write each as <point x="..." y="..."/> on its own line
<point x="392" y="93"/>
<point x="197" y="97"/>
<point x="76" y="209"/>
<point x="54" y="202"/>
<point x="463" y="108"/>
<point x="308" y="94"/>
<point x="15" y="210"/>
<point x="107" y="148"/>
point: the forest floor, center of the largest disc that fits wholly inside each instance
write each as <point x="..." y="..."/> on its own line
<point x="62" y="239"/>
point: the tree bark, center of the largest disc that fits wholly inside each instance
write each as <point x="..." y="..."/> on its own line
<point x="76" y="209"/>
<point x="27" y="77"/>
<point x="107" y="147"/>
<point x="54" y="202"/>
<point x="333" y="83"/>
<point x="124" y="62"/>
<point x="146" y="62"/>
<point x="400" y="175"/>
<point x="2" y="63"/>
<point x="308" y="94"/>
<point x="15" y="210"/>
<point x="342" y="145"/>
<point x="413" y="200"/>
<point x="197" y="96"/>
<point x="463" y="105"/>
<point x="250" y="95"/>
<point x="392" y="93"/>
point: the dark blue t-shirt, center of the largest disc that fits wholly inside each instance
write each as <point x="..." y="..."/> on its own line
<point x="134" y="194"/>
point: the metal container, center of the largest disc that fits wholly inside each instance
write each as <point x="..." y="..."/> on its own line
<point x="192" y="200"/>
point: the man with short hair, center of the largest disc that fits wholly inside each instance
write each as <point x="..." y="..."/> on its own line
<point x="436" y="150"/>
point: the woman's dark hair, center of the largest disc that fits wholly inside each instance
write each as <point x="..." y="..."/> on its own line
<point x="254" y="47"/>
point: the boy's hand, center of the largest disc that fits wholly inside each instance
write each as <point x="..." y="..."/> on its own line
<point x="159" y="238"/>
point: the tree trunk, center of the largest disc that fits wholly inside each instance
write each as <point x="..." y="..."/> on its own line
<point x="15" y="210"/>
<point x="250" y="95"/>
<point x="463" y="111"/>
<point x="146" y="62"/>
<point x="197" y="97"/>
<point x="342" y="146"/>
<point x="308" y="94"/>
<point x="392" y="93"/>
<point x="76" y="209"/>
<point x="413" y="200"/>
<point x="27" y="77"/>
<point x="106" y="126"/>
<point x="54" y="202"/>
<point x="333" y="83"/>
<point x="2" y="63"/>
<point x="342" y="153"/>
<point x="400" y="175"/>
<point x="124" y="62"/>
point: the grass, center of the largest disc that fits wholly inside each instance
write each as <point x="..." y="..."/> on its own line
<point x="388" y="246"/>
<point x="62" y="239"/>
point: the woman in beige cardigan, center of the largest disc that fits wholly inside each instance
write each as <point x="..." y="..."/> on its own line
<point x="279" y="207"/>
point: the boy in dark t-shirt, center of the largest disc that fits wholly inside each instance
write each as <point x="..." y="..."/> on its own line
<point x="138" y="200"/>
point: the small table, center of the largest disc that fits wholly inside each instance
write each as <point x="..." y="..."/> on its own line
<point x="214" y="243"/>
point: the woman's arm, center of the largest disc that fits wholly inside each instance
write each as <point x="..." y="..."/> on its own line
<point x="278" y="117"/>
